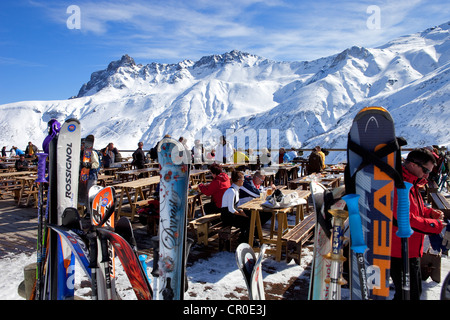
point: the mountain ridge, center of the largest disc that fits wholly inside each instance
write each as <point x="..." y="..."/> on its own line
<point x="308" y="102"/>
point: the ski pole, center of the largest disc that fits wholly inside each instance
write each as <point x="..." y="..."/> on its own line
<point x="105" y="263"/>
<point x="92" y="237"/>
<point x="358" y="245"/>
<point x="142" y="259"/>
<point x="404" y="232"/>
<point x="335" y="254"/>
<point x="40" y="247"/>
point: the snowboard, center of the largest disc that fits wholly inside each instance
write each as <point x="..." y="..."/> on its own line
<point x="84" y="173"/>
<point x="125" y="248"/>
<point x="67" y="164"/>
<point x="103" y="206"/>
<point x="174" y="162"/>
<point x="373" y="169"/>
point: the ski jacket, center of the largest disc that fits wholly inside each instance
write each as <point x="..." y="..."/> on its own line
<point x="216" y="188"/>
<point x="248" y="191"/>
<point x="420" y="219"/>
<point x="230" y="199"/>
<point x="139" y="158"/>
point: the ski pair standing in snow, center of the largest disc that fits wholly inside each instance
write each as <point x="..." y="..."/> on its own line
<point x="61" y="145"/>
<point x="389" y="205"/>
<point x="251" y="268"/>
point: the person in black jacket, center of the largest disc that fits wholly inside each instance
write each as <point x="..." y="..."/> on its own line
<point x="139" y="156"/>
<point x="21" y="164"/>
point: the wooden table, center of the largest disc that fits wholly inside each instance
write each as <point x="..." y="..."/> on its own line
<point x="104" y="180"/>
<point x="8" y="181"/>
<point x="329" y="182"/>
<point x="198" y="176"/>
<point x="136" y="187"/>
<point x="255" y="207"/>
<point x="133" y="174"/>
<point x="194" y="200"/>
<point x="28" y="190"/>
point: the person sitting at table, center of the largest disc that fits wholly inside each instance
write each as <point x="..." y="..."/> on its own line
<point x="252" y="188"/>
<point x="230" y="214"/>
<point x="4" y="151"/>
<point x="316" y="161"/>
<point x="292" y="154"/>
<point x="18" y="151"/>
<point x="283" y="156"/>
<point x="21" y="164"/>
<point x="216" y="188"/>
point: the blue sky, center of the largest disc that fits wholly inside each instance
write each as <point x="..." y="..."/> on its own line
<point x="48" y="50"/>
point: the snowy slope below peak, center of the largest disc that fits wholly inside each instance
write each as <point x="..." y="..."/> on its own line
<point x="307" y="102"/>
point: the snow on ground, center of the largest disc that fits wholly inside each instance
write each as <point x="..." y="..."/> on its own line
<point x="215" y="278"/>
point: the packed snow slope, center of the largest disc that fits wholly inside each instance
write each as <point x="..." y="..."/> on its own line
<point x="236" y="93"/>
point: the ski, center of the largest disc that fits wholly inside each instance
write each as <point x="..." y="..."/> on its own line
<point x="67" y="159"/>
<point x="323" y="201"/>
<point x="102" y="215"/>
<point x="77" y="246"/>
<point x="41" y="233"/>
<point x="49" y="290"/>
<point x="257" y="277"/>
<point x="335" y="280"/>
<point x="83" y="192"/>
<point x="373" y="169"/>
<point x="174" y="162"/>
<point x="246" y="260"/>
<point x="123" y="242"/>
<point x="321" y="268"/>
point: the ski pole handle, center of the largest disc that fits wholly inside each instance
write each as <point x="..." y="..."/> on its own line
<point x="142" y="259"/>
<point x="42" y="157"/>
<point x="404" y="227"/>
<point x="354" y="219"/>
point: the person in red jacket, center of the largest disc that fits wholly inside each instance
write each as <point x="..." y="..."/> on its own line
<point x="423" y="220"/>
<point x="216" y="188"/>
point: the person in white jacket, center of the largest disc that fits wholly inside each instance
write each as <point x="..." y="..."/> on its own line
<point x="231" y="215"/>
<point x="224" y="151"/>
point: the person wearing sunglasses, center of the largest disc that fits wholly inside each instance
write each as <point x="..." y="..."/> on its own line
<point x="416" y="168"/>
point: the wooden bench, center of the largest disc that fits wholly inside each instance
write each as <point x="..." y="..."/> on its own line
<point x="297" y="236"/>
<point x="206" y="226"/>
<point x="438" y="201"/>
<point x="226" y="234"/>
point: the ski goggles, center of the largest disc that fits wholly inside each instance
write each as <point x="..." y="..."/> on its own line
<point x="425" y="170"/>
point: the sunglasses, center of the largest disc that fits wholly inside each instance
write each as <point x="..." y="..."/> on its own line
<point x="425" y="170"/>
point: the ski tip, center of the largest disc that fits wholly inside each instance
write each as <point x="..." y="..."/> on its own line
<point x="373" y="110"/>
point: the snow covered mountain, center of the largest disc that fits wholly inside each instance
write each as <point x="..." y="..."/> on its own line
<point x="240" y="94"/>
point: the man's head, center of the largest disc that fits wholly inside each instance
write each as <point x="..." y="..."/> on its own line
<point x="258" y="178"/>
<point x="420" y="162"/>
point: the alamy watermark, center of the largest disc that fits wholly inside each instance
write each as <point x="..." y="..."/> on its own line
<point x="374" y="21"/>
<point x="74" y="20"/>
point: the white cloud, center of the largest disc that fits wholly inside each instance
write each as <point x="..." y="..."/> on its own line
<point x="277" y="29"/>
